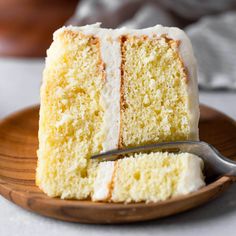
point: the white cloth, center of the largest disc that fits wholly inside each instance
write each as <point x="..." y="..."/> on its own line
<point x="214" y="43"/>
<point x="213" y="37"/>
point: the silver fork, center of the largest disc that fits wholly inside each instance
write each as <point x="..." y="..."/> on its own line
<point x="215" y="164"/>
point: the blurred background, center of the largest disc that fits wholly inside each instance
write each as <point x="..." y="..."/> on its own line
<point x="26" y="28"/>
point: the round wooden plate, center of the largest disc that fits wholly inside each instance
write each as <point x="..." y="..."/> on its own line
<point x="18" y="145"/>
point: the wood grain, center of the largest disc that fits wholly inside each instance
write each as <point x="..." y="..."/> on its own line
<point x="26" y="27"/>
<point x="18" y="144"/>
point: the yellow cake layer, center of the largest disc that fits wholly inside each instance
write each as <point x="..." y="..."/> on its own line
<point x="154" y="102"/>
<point x="148" y="177"/>
<point x="70" y="115"/>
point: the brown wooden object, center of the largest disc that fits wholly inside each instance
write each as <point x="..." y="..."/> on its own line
<point x="18" y="145"/>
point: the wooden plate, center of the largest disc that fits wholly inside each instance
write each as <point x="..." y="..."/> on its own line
<point x="18" y="144"/>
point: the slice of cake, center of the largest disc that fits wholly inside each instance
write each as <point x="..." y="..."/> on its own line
<point x="105" y="89"/>
<point x="148" y="177"/>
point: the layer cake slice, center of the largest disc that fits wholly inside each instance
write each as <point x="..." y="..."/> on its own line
<point x="105" y="89"/>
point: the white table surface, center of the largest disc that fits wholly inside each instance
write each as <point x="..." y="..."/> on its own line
<point x="19" y="87"/>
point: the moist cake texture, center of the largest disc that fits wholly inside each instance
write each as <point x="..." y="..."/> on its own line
<point x="154" y="92"/>
<point x="148" y="177"/>
<point x="71" y="114"/>
<point x="105" y="89"/>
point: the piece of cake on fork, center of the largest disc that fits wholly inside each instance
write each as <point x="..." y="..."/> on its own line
<point x="105" y="89"/>
<point x="148" y="177"/>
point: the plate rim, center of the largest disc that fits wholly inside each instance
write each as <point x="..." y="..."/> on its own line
<point x="222" y="183"/>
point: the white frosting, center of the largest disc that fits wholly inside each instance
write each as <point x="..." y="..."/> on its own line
<point x="102" y="183"/>
<point x="192" y="178"/>
<point x="111" y="56"/>
<point x="110" y="50"/>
